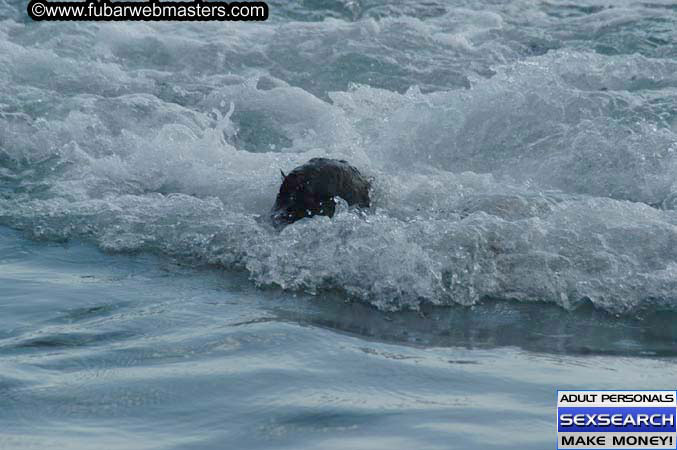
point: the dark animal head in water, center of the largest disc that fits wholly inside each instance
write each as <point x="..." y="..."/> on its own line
<point x="312" y="189"/>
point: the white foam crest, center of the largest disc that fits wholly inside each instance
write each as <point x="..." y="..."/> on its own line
<point x="532" y="184"/>
<point x="529" y="120"/>
<point x="616" y="255"/>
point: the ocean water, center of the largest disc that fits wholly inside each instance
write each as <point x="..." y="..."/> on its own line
<point x="522" y="238"/>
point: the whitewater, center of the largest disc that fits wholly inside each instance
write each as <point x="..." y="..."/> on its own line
<point x="522" y="236"/>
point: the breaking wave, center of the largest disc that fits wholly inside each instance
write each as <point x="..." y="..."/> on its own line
<point x="504" y="166"/>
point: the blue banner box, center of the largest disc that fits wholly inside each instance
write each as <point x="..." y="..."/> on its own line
<point x="610" y="419"/>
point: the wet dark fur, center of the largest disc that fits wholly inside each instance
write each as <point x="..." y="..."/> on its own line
<point x="310" y="189"/>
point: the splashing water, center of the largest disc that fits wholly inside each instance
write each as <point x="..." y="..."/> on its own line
<point x="522" y="152"/>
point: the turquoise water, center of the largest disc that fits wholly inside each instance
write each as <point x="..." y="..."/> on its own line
<point x="141" y="352"/>
<point x="522" y="238"/>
